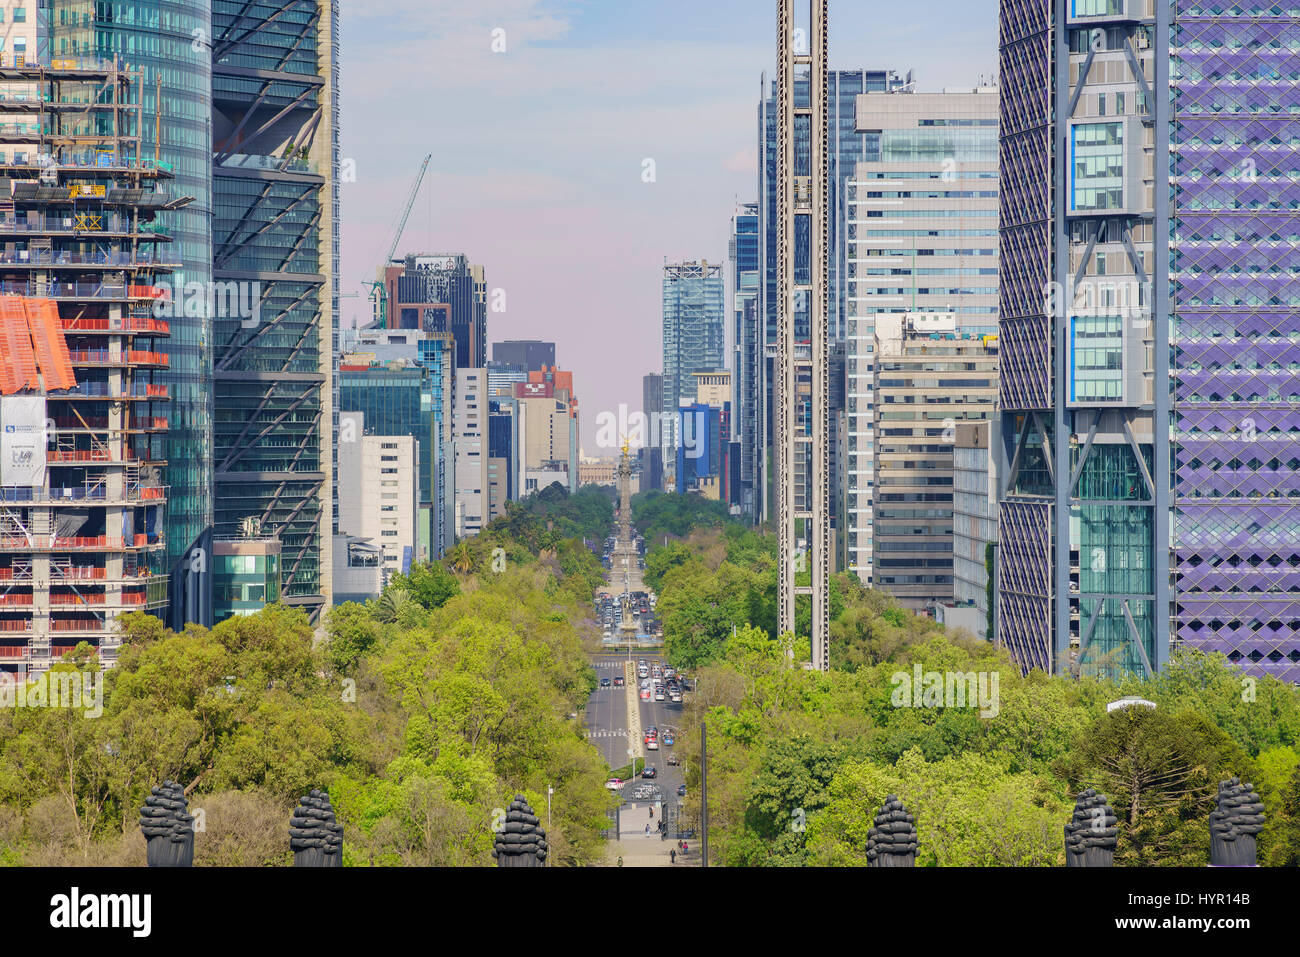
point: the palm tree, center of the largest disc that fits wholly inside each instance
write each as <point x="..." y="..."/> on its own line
<point x="462" y="558"/>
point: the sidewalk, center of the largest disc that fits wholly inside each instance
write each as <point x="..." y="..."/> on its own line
<point x="637" y="850"/>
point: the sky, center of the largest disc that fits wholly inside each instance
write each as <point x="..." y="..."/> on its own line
<point x="538" y="151"/>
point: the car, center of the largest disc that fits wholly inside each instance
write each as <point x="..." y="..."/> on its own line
<point x="669" y="739"/>
<point x="619" y="682"/>
<point x="681" y="790"/>
<point x="651" y="731"/>
<point x="614" y="784"/>
<point x="659" y="694"/>
<point x="604" y="682"/>
<point x="675" y="696"/>
<point x="645" y="694"/>
<point x="649" y="772"/>
<point x="673" y="760"/>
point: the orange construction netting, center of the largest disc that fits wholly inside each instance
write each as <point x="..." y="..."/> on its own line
<point x="32" y="345"/>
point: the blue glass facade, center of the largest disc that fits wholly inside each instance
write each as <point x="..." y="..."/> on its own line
<point x="166" y="38"/>
<point x="694" y="332"/>
<point x="275" y="228"/>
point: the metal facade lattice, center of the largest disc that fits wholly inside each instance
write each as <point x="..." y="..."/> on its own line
<point x="1024" y="569"/>
<point x="275" y="229"/>
<point x="1234" y="321"/>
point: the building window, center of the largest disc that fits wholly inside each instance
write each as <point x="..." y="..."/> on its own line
<point x="1097" y="165"/>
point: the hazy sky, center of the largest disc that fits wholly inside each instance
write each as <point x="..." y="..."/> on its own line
<point x="538" y="151"/>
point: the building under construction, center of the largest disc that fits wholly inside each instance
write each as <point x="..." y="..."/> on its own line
<point x="82" y="419"/>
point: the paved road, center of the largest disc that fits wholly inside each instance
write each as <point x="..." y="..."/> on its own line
<point x="606" y="721"/>
<point x="607" y="714"/>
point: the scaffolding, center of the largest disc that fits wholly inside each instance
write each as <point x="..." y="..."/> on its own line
<point x="82" y="534"/>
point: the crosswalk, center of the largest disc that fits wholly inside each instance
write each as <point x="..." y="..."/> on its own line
<point x="607" y="733"/>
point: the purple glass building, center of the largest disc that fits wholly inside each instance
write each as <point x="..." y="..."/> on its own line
<point x="1150" y="333"/>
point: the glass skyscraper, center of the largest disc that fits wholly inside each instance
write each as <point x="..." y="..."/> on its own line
<point x="1148" y="319"/>
<point x="167" y="39"/>
<point x="694" y="334"/>
<point x="746" y="339"/>
<point x="275" y="158"/>
<point x="922" y="226"/>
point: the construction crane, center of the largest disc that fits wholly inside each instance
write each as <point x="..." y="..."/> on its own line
<point x="378" y="288"/>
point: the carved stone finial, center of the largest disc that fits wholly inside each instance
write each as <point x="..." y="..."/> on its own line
<point x="521" y="842"/>
<point x="1092" y="834"/>
<point x="314" y="835"/>
<point x="1237" y="817"/>
<point x="892" y="841"/>
<point x="167" y="827"/>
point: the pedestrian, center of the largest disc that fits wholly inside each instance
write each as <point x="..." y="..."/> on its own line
<point x="672" y="857"/>
<point x="647" y="830"/>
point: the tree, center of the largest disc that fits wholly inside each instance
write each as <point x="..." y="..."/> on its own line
<point x="428" y="583"/>
<point x="1161" y="769"/>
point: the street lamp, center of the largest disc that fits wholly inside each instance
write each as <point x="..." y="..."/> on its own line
<point x="549" y="792"/>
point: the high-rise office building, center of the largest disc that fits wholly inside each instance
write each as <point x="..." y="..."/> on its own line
<point x="1152" y="498"/>
<point x="846" y="145"/>
<point x="505" y="454"/>
<point x="409" y="392"/>
<point x="694" y="334"/>
<point x="503" y="377"/>
<point x="379" y="492"/>
<point x="275" y="157"/>
<point x="549" y="428"/>
<point x="652" y="408"/>
<point x="470" y="440"/>
<point x="440" y="293"/>
<point x="746" y="344"/>
<point x="532" y="354"/>
<point x="922" y="225"/>
<point x="931" y="376"/>
<point x="165" y="39"/>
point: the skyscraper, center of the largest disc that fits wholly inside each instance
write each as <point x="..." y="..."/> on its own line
<point x="275" y="157"/>
<point x="83" y="413"/>
<point x="846" y="145"/>
<point x="746" y="343"/>
<point x="441" y="293"/>
<point x="931" y="376"/>
<point x="1152" y="495"/>
<point x="922" y="225"/>
<point x="801" y="446"/>
<point x="165" y="39"/>
<point x="694" y="333"/>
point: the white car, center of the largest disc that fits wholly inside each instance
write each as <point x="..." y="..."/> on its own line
<point x="614" y="784"/>
<point x="652" y="744"/>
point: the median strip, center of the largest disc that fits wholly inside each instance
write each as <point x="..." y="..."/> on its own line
<point x="635" y="740"/>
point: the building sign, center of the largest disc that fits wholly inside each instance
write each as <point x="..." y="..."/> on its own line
<point x="22" y="441"/>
